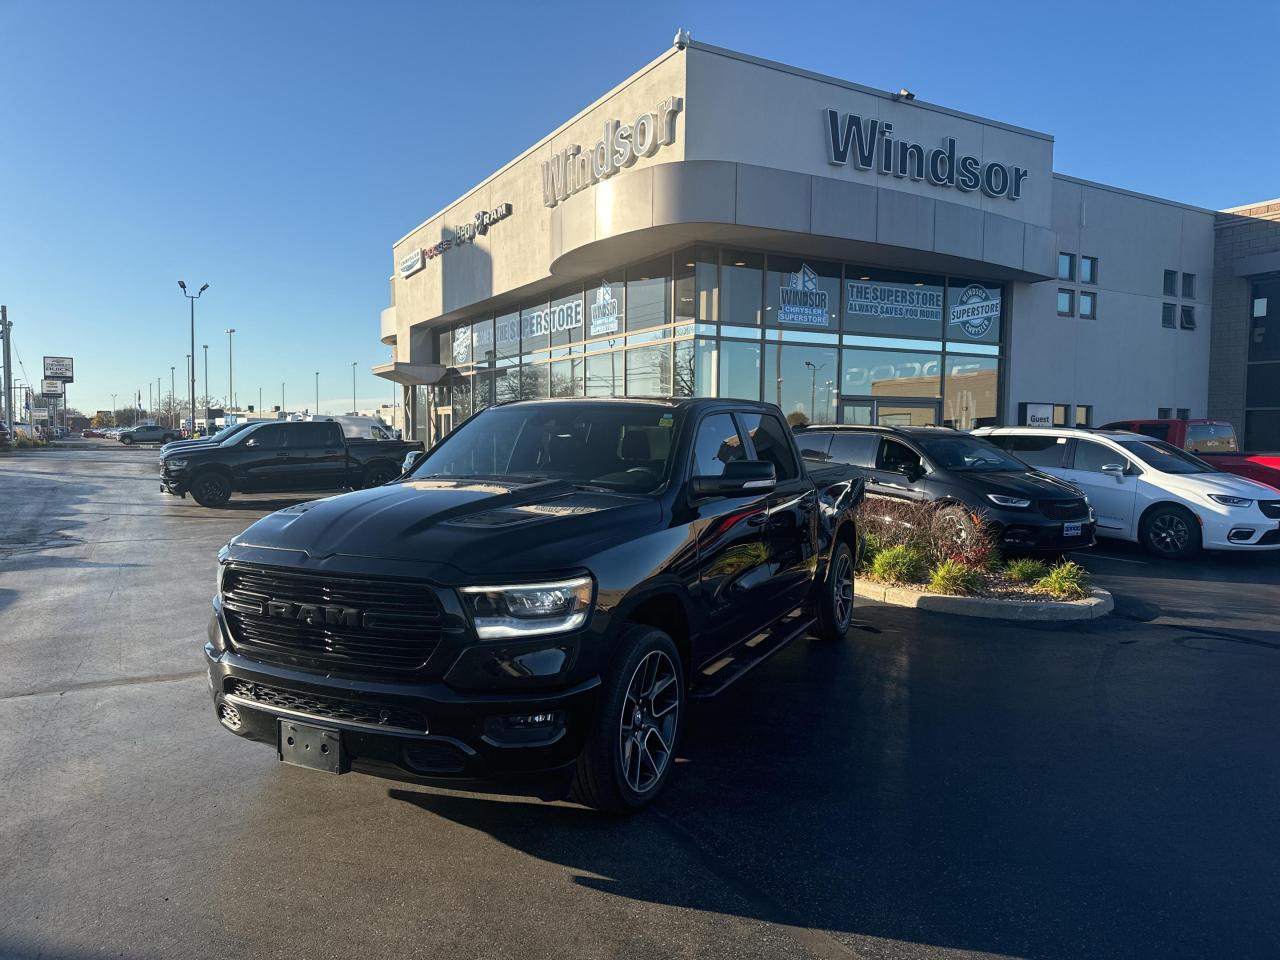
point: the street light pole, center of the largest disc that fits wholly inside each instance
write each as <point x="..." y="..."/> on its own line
<point x="172" y="392"/>
<point x="206" y="388"/>
<point x="354" y="408"/>
<point x="193" y="297"/>
<point x="113" y="410"/>
<point x="231" y="392"/>
<point x="259" y="401"/>
<point x="317" y="410"/>
<point x="282" y="397"/>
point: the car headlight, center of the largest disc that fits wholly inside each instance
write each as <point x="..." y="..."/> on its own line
<point x="1229" y="501"/>
<point x="1002" y="501"/>
<point x="529" y="609"/>
<point x="176" y="464"/>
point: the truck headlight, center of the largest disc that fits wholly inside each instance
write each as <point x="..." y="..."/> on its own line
<point x="529" y="609"/>
<point x="176" y="464"/>
<point x="1228" y="501"/>
<point x="1002" y="501"/>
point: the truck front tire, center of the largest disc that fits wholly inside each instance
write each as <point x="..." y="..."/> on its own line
<point x="379" y="473"/>
<point x="210" y="489"/>
<point x="834" y="606"/>
<point x="631" y="745"/>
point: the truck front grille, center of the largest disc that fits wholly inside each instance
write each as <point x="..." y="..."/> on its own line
<point x="336" y="624"/>
<point x="1073" y="509"/>
<point x="327" y="708"/>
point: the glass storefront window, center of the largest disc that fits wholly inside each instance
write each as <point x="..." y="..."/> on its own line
<point x="739" y="370"/>
<point x="604" y="374"/>
<point x="649" y="294"/>
<point x="461" y="346"/>
<point x="606" y="308"/>
<point x="506" y="337"/>
<point x="802" y="294"/>
<point x="890" y="373"/>
<point x="740" y="277"/>
<point x="973" y="311"/>
<point x="695" y="285"/>
<point x="482" y="391"/>
<point x="444" y="348"/>
<point x="566" y="378"/>
<point x="891" y="303"/>
<point x="649" y="371"/>
<point x="461" y="399"/>
<point x="972" y="390"/>
<point x="802" y="381"/>
<point x="566" y="319"/>
<point x="535" y="381"/>
<point x="535" y="331"/>
<point x="482" y="342"/>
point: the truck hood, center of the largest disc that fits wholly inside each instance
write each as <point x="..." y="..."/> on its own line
<point x="469" y="526"/>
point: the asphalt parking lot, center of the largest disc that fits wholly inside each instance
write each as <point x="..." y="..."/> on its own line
<point x="935" y="787"/>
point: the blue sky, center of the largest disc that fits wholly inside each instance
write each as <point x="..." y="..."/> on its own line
<point x="276" y="150"/>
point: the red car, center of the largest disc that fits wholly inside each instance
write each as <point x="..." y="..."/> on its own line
<point x="1213" y="441"/>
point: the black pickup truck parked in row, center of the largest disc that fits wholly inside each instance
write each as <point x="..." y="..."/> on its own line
<point x="280" y="456"/>
<point x="536" y="598"/>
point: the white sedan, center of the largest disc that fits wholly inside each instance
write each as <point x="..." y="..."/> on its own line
<point x="1149" y="491"/>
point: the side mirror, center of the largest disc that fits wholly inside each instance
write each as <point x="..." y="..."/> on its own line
<point x="411" y="460"/>
<point x="1114" y="470"/>
<point x="741" y="478"/>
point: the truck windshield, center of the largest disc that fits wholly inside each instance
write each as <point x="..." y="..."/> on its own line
<point x="1211" y="438"/>
<point x="961" y="452"/>
<point x="1165" y="457"/>
<point x="616" y="447"/>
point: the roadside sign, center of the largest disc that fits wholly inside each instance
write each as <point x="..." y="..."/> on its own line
<point x="59" y="368"/>
<point x="53" y="388"/>
<point x="39" y="413"/>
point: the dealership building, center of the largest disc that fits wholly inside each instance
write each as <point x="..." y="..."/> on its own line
<point x="722" y="225"/>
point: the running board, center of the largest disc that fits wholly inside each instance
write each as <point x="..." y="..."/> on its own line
<point x="718" y="675"/>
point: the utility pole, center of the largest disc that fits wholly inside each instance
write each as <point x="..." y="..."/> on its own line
<point x="193" y="298"/>
<point x="317" y="409"/>
<point x="259" y="401"/>
<point x="282" y="397"/>
<point x="206" y="389"/>
<point x="231" y="384"/>
<point x="6" y="330"/>
<point x="173" y="387"/>
<point x="354" y="409"/>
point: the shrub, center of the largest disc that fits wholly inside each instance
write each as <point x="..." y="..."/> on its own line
<point x="1026" y="570"/>
<point x="923" y="527"/>
<point x="900" y="564"/>
<point x="954" y="577"/>
<point x="871" y="546"/>
<point x="1066" y="581"/>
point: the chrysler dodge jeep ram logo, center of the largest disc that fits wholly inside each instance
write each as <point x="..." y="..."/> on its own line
<point x="315" y="614"/>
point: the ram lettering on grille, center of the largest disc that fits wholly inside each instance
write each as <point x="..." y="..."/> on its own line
<point x="314" y="613"/>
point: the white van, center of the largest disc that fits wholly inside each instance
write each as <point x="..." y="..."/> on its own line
<point x="359" y="428"/>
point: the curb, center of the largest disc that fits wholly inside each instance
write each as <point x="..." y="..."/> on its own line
<point x="1099" y="604"/>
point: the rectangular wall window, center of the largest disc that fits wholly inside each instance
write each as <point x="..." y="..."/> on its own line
<point x="1066" y="303"/>
<point x="1184" y="413"/>
<point x="972" y="390"/>
<point x="803" y="381"/>
<point x="695" y="284"/>
<point x="535" y="330"/>
<point x="739" y="370"/>
<point x="1164" y="413"/>
<point x="890" y="373"/>
<point x="506" y="337"/>
<point x="1188" y="318"/>
<point x="1189" y="286"/>
<point x="887" y="303"/>
<point x="1059" y="414"/>
<point x="604" y="375"/>
<point x="649" y="294"/>
<point x="741" y="275"/>
<point x="1084" y="415"/>
<point x="1171" y="283"/>
<point x="1089" y="270"/>
<point x="1088" y="305"/>
<point x="1169" y="315"/>
<point x="1066" y="266"/>
<point x="649" y="371"/>
<point x="566" y="318"/>
<point x="802" y="294"/>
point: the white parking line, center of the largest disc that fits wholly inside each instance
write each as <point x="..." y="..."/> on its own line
<point x="1103" y="556"/>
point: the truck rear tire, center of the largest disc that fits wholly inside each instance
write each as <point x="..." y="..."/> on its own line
<point x="210" y="489"/>
<point x="376" y="474"/>
<point x="834" y="606"/>
<point x="631" y="745"/>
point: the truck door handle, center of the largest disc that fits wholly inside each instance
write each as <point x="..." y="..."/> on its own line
<point x="281" y="454"/>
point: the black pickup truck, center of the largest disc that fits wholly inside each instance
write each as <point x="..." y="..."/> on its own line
<point x="280" y="456"/>
<point x="536" y="598"/>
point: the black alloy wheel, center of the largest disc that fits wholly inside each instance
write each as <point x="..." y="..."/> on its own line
<point x="378" y="474"/>
<point x="210" y="489"/>
<point x="835" y="603"/>
<point x="1171" y="531"/>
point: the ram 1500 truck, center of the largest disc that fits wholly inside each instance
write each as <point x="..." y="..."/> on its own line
<point x="277" y="456"/>
<point x="536" y="599"/>
<point x="1213" y="441"/>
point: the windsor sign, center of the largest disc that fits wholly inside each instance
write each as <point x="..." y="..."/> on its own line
<point x="869" y="144"/>
<point x="573" y="169"/>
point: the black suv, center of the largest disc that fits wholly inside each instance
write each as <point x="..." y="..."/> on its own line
<point x="965" y="476"/>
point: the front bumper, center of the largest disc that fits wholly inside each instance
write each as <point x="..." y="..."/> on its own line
<point x="423" y="732"/>
<point x="1033" y="533"/>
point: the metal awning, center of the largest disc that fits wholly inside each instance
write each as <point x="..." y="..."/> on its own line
<point x="410" y="374"/>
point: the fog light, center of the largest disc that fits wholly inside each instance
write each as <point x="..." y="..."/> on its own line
<point x="523" y="721"/>
<point x="1241" y="534"/>
<point x="229" y="716"/>
<point x="525" y="728"/>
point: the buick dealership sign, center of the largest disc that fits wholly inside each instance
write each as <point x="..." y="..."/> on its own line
<point x="869" y="144"/>
<point x="60" y="368"/>
<point x="573" y="169"/>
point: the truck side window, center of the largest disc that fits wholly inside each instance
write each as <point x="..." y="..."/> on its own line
<point x="716" y="444"/>
<point x="267" y="438"/>
<point x="771" y="441"/>
<point x="1158" y="431"/>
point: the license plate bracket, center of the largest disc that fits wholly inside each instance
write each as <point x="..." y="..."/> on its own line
<point x="316" y="748"/>
<point x="1072" y="529"/>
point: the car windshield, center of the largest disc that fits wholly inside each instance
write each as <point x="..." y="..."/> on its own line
<point x="615" y="447"/>
<point x="963" y="452"/>
<point x="1165" y="457"/>
<point x="1212" y="438"/>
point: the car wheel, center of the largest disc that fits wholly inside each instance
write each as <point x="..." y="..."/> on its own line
<point x="834" y="607"/>
<point x="210" y="489"/>
<point x="631" y="745"/>
<point x="957" y="526"/>
<point x="1171" y="531"/>
<point x="378" y="474"/>
<point x="127" y="441"/>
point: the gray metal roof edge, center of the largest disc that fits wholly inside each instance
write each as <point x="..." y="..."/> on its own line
<point x="1130" y="193"/>
<point x="862" y="88"/>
